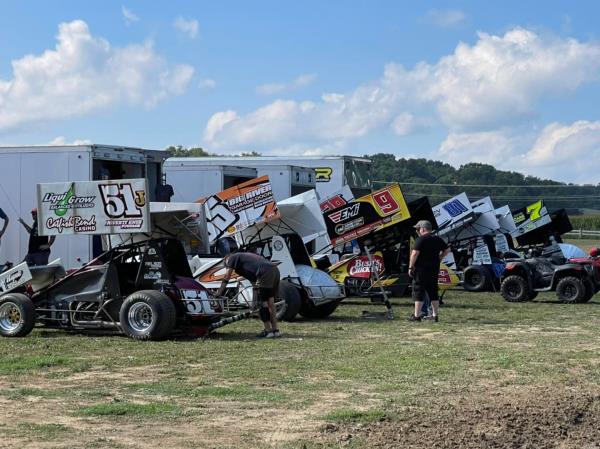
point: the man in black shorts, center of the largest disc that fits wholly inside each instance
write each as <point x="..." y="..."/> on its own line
<point x="423" y="268"/>
<point x="264" y="276"/>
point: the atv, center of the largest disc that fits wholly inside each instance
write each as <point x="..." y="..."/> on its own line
<point x="144" y="290"/>
<point x="573" y="281"/>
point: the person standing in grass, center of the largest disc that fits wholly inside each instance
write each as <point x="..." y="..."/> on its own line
<point x="38" y="250"/>
<point x="423" y="268"/>
<point x="264" y="276"/>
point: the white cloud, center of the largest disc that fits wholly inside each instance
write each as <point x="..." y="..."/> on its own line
<point x="189" y="27"/>
<point x="567" y="152"/>
<point x="499" y="80"/>
<point x="445" y="18"/>
<point x="129" y="16"/>
<point x="404" y="124"/>
<point x="207" y="83"/>
<point x="499" y="148"/>
<point x="563" y="152"/>
<point x="278" y="88"/>
<point x="84" y="73"/>
<point x="62" y="141"/>
<point x="481" y="90"/>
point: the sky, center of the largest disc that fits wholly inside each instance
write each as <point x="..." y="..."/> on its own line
<point x="514" y="84"/>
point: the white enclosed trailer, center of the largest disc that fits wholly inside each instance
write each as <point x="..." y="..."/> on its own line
<point x="331" y="173"/>
<point x="23" y="167"/>
<point x="192" y="179"/>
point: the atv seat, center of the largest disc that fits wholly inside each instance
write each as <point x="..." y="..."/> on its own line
<point x="44" y="275"/>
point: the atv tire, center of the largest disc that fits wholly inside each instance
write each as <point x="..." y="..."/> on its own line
<point x="17" y="315"/>
<point x="147" y="315"/>
<point x="515" y="289"/>
<point x="289" y="302"/>
<point x="570" y="290"/>
<point x="589" y="290"/>
<point x="310" y="311"/>
<point x="476" y="278"/>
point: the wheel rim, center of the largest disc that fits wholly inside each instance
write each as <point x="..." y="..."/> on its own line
<point x="514" y="290"/>
<point x="280" y="307"/>
<point x="140" y="317"/>
<point x="475" y="279"/>
<point x="10" y="317"/>
<point x="569" y="292"/>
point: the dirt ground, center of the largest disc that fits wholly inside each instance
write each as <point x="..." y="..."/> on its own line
<point x="541" y="418"/>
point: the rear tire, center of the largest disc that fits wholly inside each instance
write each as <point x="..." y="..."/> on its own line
<point x="291" y="300"/>
<point x="17" y="315"/>
<point x="476" y="278"/>
<point x="570" y="290"/>
<point x="515" y="289"/>
<point x="148" y="315"/>
<point x="589" y="290"/>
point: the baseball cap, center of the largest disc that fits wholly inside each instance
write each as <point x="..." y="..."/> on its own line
<point x="423" y="224"/>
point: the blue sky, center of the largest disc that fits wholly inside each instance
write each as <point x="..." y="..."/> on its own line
<point x="513" y="84"/>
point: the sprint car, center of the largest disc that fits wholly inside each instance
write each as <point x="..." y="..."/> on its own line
<point x="144" y="290"/>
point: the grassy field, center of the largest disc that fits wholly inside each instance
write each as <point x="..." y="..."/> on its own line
<point x="354" y="380"/>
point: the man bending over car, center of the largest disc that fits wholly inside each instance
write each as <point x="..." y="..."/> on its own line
<point x="264" y="276"/>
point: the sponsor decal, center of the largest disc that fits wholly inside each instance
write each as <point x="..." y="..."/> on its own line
<point x="345" y="214"/>
<point x="455" y="208"/>
<point x="362" y="267"/>
<point x="376" y="210"/>
<point x="60" y="203"/>
<point x="14" y="277"/>
<point x="333" y="203"/>
<point x="323" y="174"/>
<point x="444" y="276"/>
<point x="93" y="207"/>
<point x="239" y="207"/>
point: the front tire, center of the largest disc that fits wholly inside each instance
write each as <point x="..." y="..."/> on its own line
<point x="570" y="290"/>
<point x="17" y="315"/>
<point x="476" y="278"/>
<point x="147" y="315"/>
<point x="514" y="289"/>
<point x="290" y="300"/>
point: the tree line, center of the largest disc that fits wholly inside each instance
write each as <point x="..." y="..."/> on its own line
<point x="440" y="181"/>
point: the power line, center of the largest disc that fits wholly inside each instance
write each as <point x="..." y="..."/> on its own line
<point x="486" y="185"/>
<point x="517" y="197"/>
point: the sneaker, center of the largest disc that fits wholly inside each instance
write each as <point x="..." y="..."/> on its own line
<point x="431" y="318"/>
<point x="275" y="334"/>
<point x="265" y="334"/>
<point x="414" y="318"/>
<point x="389" y="315"/>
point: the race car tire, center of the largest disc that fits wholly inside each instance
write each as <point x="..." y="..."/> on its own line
<point x="476" y="278"/>
<point x="289" y="301"/>
<point x="147" y="315"/>
<point x="570" y="290"/>
<point x="589" y="290"/>
<point x="309" y="310"/>
<point x="514" y="289"/>
<point x="17" y="315"/>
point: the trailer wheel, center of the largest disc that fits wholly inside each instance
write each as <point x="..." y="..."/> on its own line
<point x="476" y="278"/>
<point x="289" y="301"/>
<point x="514" y="289"/>
<point x="17" y="315"/>
<point x="570" y="290"/>
<point x="309" y="310"/>
<point x="147" y="315"/>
